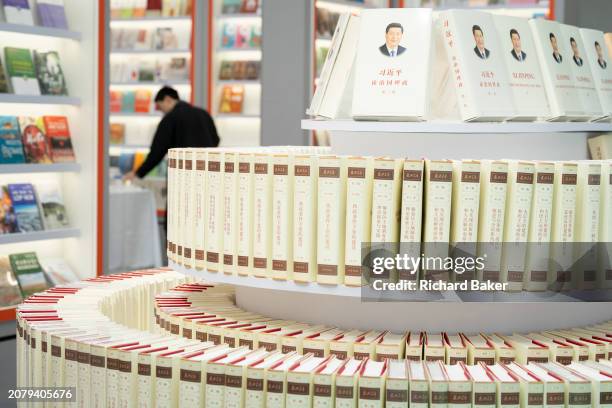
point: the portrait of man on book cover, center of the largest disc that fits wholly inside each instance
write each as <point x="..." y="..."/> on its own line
<point x="479" y="49"/>
<point x="393" y="36"/>
<point x="600" y="56"/>
<point x="517" y="51"/>
<point x="577" y="60"/>
<point x="553" y="43"/>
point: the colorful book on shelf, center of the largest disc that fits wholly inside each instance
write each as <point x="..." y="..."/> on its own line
<point x="142" y="101"/>
<point x="143" y="39"/>
<point x="4" y="86"/>
<point x="154" y="7"/>
<point x="18" y="12"/>
<point x="51" y="13"/>
<point x="9" y="287"/>
<point x="25" y="207"/>
<point x="58" y="138"/>
<point x="58" y="271"/>
<point x="249" y="6"/>
<point x="117" y="133"/>
<point x="116" y="98"/>
<point x="252" y="70"/>
<point x="242" y="35"/>
<point x="8" y="220"/>
<point x="128" y="101"/>
<point x="232" y="98"/>
<point x="228" y="35"/>
<point x="165" y="39"/>
<point x="139" y="8"/>
<point x="139" y="158"/>
<point x="50" y="74"/>
<point x="178" y="69"/>
<point x="231" y="6"/>
<point x="52" y="205"/>
<point x="146" y="71"/>
<point x="126" y="162"/>
<point x="226" y="70"/>
<point x="255" y="36"/>
<point x="11" y="148"/>
<point x="29" y="273"/>
<point x="21" y="71"/>
<point x="239" y="70"/>
<point x="34" y="140"/>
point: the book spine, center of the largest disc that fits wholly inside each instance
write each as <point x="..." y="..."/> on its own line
<point x="215" y="198"/>
<point x="245" y="218"/>
<point x="305" y="176"/>
<point x="282" y="217"/>
<point x="180" y="217"/>
<point x="412" y="214"/>
<point x="276" y="389"/>
<point x="396" y="393"/>
<point x="215" y="385"/>
<point x="188" y="207"/>
<point x="323" y="391"/>
<point x="199" y="222"/>
<point x="262" y="216"/>
<point x="299" y="390"/>
<point x="230" y="210"/>
<point x="234" y="386"/>
<point x="371" y="392"/>
<point x="419" y="394"/>
<point x="170" y="210"/>
<point x="346" y="392"/>
<point x="604" y="269"/>
<point x="358" y="216"/>
<point x="331" y="200"/>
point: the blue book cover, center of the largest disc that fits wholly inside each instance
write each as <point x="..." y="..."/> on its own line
<point x="128" y="101"/>
<point x="52" y="13"/>
<point x="11" y="148"/>
<point x="25" y="207"/>
<point x="126" y="162"/>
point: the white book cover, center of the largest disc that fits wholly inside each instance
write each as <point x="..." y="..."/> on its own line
<point x="58" y="270"/>
<point x="18" y="12"/>
<point x="282" y="216"/>
<point x="594" y="46"/>
<point x="262" y="215"/>
<point x="605" y="230"/>
<point x="555" y="59"/>
<point x="392" y="64"/>
<point x="476" y="66"/>
<point x="523" y="67"/>
<point x="306" y="177"/>
<point x="245" y="208"/>
<point x="581" y="71"/>
<point x="188" y="208"/>
<point x="412" y="214"/>
<point x="230" y="209"/>
<point x="199" y="222"/>
<point x="214" y="227"/>
<point x="180" y="205"/>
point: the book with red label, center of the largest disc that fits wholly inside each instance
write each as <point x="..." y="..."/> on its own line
<point x="115" y="101"/>
<point x="35" y="144"/>
<point x="58" y="137"/>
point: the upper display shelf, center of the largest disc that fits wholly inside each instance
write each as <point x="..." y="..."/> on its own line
<point x="152" y="19"/>
<point x="40" y="31"/>
<point x="348" y="125"/>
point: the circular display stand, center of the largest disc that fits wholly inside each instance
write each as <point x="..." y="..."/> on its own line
<point x="341" y="306"/>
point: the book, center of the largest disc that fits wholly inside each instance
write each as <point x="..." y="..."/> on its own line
<point x="21" y="71"/>
<point x="231" y="6"/>
<point x="29" y="273"/>
<point x="49" y="73"/>
<point x="117" y="133"/>
<point x="25" y="207"/>
<point x="142" y="101"/>
<point x="214" y="227"/>
<point x="9" y="287"/>
<point x="4" y="86"/>
<point x="282" y="215"/>
<point x="11" y="147"/>
<point x="563" y="96"/>
<point x="305" y="179"/>
<point x="18" y="12"/>
<point x="418" y="385"/>
<point x="523" y="67"/>
<point x="360" y="172"/>
<point x="391" y="83"/>
<point x="249" y="6"/>
<point x="347" y="383"/>
<point x="412" y="214"/>
<point x="165" y="38"/>
<point x="51" y="204"/>
<point x="51" y="13"/>
<point x="604" y="269"/>
<point x="58" y="271"/>
<point x="372" y="384"/>
<point x="438" y="384"/>
<point x="178" y="69"/>
<point x="128" y="101"/>
<point x="600" y="147"/>
<point x="473" y="84"/>
<point x="232" y="98"/>
<point x="331" y="221"/>
<point x="58" y="138"/>
<point x="230" y="208"/>
<point x="116" y="99"/>
<point x="262" y="215"/>
<point x="8" y="220"/>
<point x="594" y="47"/>
<point x="253" y="69"/>
<point x="34" y="141"/>
<point x="226" y="70"/>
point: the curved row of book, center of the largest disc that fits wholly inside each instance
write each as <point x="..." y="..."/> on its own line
<point x="302" y="214"/>
<point x="98" y="336"/>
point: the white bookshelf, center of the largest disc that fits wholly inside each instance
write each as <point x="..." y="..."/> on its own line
<point x="149" y="84"/>
<point x="40" y="168"/>
<point x="150" y="20"/>
<point x="47" y="32"/>
<point x="175" y="51"/>
<point x="40" y="99"/>
<point x="137" y="114"/>
<point x="28" y="237"/>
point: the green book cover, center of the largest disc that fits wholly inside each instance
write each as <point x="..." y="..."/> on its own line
<point x="3" y="82"/>
<point x="19" y="63"/>
<point x="29" y="273"/>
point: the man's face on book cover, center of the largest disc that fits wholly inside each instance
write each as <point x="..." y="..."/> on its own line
<point x="393" y="37"/>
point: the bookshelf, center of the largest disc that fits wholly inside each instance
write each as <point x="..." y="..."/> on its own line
<point x="78" y="182"/>
<point x="241" y="127"/>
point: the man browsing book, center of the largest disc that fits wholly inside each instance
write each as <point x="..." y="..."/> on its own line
<point x="517" y="51"/>
<point x="393" y="36"/>
<point x="480" y="49"/>
<point x="183" y="125"/>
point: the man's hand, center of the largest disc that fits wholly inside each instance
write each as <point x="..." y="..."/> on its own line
<point x="129" y="177"/>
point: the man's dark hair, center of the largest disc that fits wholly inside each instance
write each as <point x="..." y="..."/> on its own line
<point x="597" y="44"/>
<point x="513" y="31"/>
<point x="394" y="25"/>
<point x="476" y="28"/>
<point x="166" y="91"/>
<point x="572" y="40"/>
<point x="551" y="36"/>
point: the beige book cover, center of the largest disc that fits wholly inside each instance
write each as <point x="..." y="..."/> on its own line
<point x="601" y="383"/>
<point x="580" y="349"/>
<point x="331" y="196"/>
<point x="295" y="341"/>
<point x="433" y="346"/>
<point x="504" y="352"/>
<point x="533" y="388"/>
<point x="181" y="176"/>
<point x="276" y="381"/>
<point x="438" y="384"/>
<point x="480" y="350"/>
<point x="305" y="179"/>
<point x="412" y="214"/>
<point x="558" y="350"/>
<point x="418" y="384"/>
<point x="200" y="204"/>
<point x="360" y="172"/>
<point x="599" y="61"/>
<point x="282" y="216"/>
<point x="300" y="382"/>
<point x="347" y="384"/>
<point x="319" y="345"/>
<point x="343" y="346"/>
<point x="508" y="386"/>
<point x="230" y="212"/>
<point x="467" y="387"/>
<point x="456" y="349"/>
<point x="600" y="147"/>
<point x="244" y="234"/>
<point x="372" y="384"/>
<point x="414" y="346"/>
<point x="216" y="371"/>
<point x="256" y="379"/>
<point x="397" y="382"/>
<point x="188" y="208"/>
<point x="172" y="195"/>
<point x="262" y="215"/>
<point x="324" y="383"/>
<point x="235" y="377"/>
<point x="528" y="350"/>
<point x="365" y="347"/>
<point x="577" y="388"/>
<point x="391" y="346"/>
<point x="604" y="266"/>
<point x="214" y="227"/>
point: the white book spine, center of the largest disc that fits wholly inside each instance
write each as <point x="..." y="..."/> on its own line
<point x="170" y="210"/>
<point x="245" y="217"/>
<point x="412" y="213"/>
<point x="305" y="218"/>
<point x="262" y="216"/>
<point x="605" y="231"/>
<point x="230" y="210"/>
<point x="188" y="208"/>
<point x="199" y="222"/>
<point x="255" y="388"/>
<point x="282" y="216"/>
<point x="180" y="206"/>
<point x="214" y="388"/>
<point x="214" y="223"/>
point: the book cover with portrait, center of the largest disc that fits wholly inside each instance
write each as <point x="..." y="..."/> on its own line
<point x="594" y="45"/>
<point x="392" y="65"/>
<point x="581" y="71"/>
<point x="476" y="64"/>
<point x="555" y="58"/>
<point x="524" y="73"/>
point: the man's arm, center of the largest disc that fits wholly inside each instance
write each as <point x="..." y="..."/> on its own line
<point x="159" y="147"/>
<point x="212" y="130"/>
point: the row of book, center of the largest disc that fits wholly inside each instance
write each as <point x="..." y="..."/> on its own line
<point x="26" y="208"/>
<point x="150" y="8"/>
<point x="212" y="315"/>
<point x="49" y="13"/>
<point x="465" y="65"/>
<point x="232" y="99"/>
<point x="37" y="140"/>
<point x="136" y="70"/>
<point x="299" y="213"/>
<point x="138" y="101"/>
<point x="243" y="34"/>
<point x="32" y="73"/>
<point x="239" y="70"/>
<point x="241" y="7"/>
<point x="132" y="133"/>
<point x="24" y="274"/>
<point x="83" y="336"/>
<point x="157" y="39"/>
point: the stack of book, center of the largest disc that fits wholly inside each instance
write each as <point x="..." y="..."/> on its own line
<point x="135" y="70"/>
<point x="240" y="35"/>
<point x="239" y="70"/>
<point x="49" y="13"/>
<point x="32" y="73"/>
<point x="241" y="7"/>
<point x="302" y="214"/>
<point x="158" y="39"/>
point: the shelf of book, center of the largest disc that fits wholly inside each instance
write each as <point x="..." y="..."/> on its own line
<point x="40" y="168"/>
<point x="239" y="82"/>
<point x="342" y="4"/>
<point x="39" y="236"/>
<point x="158" y="84"/>
<point x="454" y="127"/>
<point x="176" y="51"/>
<point x="137" y="114"/>
<point x="40" y="99"/>
<point x="239" y="50"/>
<point x="152" y="20"/>
<point x="238" y="16"/>
<point x="40" y="31"/>
<point x="236" y="116"/>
